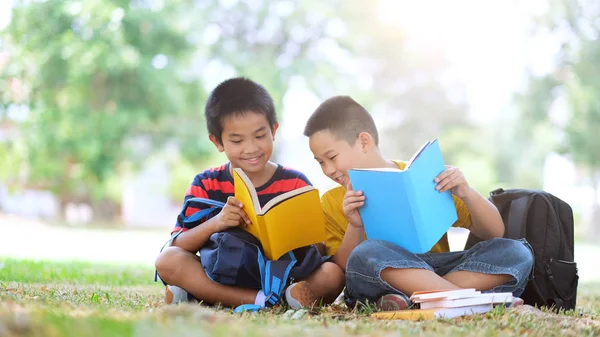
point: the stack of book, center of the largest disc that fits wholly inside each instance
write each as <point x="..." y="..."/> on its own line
<point x="449" y="304"/>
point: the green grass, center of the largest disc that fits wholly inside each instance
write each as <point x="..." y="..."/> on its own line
<point x="74" y="272"/>
<point x="84" y="299"/>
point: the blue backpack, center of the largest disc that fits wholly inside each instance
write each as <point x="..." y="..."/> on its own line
<point x="235" y="257"/>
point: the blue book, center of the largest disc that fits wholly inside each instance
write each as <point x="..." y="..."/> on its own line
<point x="403" y="206"/>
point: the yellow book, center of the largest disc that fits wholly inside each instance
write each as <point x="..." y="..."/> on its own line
<point x="426" y="314"/>
<point x="291" y="220"/>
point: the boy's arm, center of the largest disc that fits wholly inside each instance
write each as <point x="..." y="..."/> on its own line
<point x="486" y="222"/>
<point x="192" y="240"/>
<point x="355" y="232"/>
<point x="353" y="237"/>
<point x="231" y="215"/>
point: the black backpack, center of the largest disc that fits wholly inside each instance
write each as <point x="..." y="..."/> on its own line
<point x="547" y="224"/>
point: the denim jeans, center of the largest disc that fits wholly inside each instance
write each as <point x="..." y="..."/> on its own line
<point x="496" y="256"/>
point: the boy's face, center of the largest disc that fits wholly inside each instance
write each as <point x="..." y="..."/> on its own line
<point x="336" y="156"/>
<point x="247" y="140"/>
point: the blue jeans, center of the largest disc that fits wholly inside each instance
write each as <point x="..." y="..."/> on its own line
<point x="496" y="256"/>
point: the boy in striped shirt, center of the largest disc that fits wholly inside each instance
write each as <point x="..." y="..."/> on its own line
<point x="242" y="123"/>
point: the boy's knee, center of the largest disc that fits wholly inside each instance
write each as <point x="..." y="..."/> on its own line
<point x="167" y="263"/>
<point x="524" y="253"/>
<point x="334" y="273"/>
<point x="370" y="253"/>
<point x="515" y="249"/>
<point x="518" y="253"/>
<point x="359" y="257"/>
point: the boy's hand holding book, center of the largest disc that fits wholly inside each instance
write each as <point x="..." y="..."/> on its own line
<point x="232" y="215"/>
<point x="454" y="180"/>
<point x="353" y="200"/>
<point x="411" y="207"/>
<point x="288" y="221"/>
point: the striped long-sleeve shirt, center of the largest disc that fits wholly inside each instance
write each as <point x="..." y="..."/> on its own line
<point x="217" y="184"/>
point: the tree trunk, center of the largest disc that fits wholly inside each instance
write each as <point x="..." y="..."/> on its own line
<point x="64" y="200"/>
<point x="106" y="212"/>
<point x="594" y="226"/>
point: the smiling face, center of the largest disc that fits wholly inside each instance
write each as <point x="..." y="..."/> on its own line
<point x="247" y="140"/>
<point x="336" y="156"/>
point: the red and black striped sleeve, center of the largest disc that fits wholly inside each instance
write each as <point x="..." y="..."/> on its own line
<point x="210" y="184"/>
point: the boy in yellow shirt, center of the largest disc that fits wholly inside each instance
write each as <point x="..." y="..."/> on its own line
<point x="342" y="135"/>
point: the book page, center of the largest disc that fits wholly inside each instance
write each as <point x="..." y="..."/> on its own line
<point x="248" y="186"/>
<point x="486" y="298"/>
<point x="416" y="155"/>
<point x="463" y="311"/>
<point x="287" y="195"/>
<point x="247" y="196"/>
<point x="379" y="169"/>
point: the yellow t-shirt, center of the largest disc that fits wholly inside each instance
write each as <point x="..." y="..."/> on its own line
<point x="336" y="223"/>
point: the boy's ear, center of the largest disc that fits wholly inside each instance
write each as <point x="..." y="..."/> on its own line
<point x="366" y="141"/>
<point x="274" y="128"/>
<point x="218" y="145"/>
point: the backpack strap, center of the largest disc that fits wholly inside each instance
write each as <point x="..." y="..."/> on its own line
<point x="201" y="213"/>
<point x="517" y="218"/>
<point x="184" y="220"/>
<point x="274" y="276"/>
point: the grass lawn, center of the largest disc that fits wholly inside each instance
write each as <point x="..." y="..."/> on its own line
<point x="85" y="299"/>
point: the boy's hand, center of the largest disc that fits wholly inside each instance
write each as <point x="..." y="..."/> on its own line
<point x="232" y="215"/>
<point x="452" y="179"/>
<point x="353" y="200"/>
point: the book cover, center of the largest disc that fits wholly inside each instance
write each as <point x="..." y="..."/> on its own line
<point x="435" y="295"/>
<point x="403" y="206"/>
<point x="289" y="221"/>
<point x="427" y="314"/>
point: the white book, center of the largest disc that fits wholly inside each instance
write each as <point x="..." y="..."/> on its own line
<point x="419" y="314"/>
<point x="463" y="311"/>
<point x="425" y="296"/>
<point x="453" y="302"/>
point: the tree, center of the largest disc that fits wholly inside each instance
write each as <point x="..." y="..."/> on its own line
<point x="108" y="82"/>
<point x="99" y="74"/>
<point x="575" y="79"/>
<point x="408" y="88"/>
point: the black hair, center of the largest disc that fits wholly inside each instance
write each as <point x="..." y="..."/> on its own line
<point x="344" y="118"/>
<point x="237" y="96"/>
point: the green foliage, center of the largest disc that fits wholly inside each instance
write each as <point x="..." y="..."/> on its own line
<point x="92" y="86"/>
<point x="582" y="138"/>
<point x="576" y="81"/>
<point x="407" y="88"/>
<point x="108" y="83"/>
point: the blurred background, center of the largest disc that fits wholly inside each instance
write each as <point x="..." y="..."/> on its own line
<point x="101" y="103"/>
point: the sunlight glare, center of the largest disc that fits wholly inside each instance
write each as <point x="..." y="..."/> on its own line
<point x="485" y="43"/>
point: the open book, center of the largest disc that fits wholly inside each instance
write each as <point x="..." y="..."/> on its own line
<point x="403" y="206"/>
<point x="288" y="221"/>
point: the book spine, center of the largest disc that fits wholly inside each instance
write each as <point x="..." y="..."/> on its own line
<point x="410" y="315"/>
<point x="409" y="187"/>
